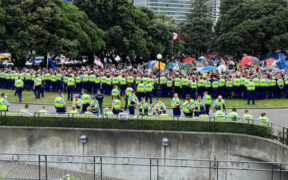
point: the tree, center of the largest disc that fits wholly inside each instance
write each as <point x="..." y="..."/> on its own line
<point x="254" y="27"/>
<point x="38" y="27"/>
<point x="227" y="5"/>
<point x="197" y="29"/>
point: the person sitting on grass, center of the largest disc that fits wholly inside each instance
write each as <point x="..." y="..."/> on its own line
<point x="219" y="114"/>
<point x="164" y="114"/>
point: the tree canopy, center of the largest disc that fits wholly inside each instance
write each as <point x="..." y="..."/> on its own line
<point x="37" y="27"/>
<point x="197" y="29"/>
<point x="254" y="27"/>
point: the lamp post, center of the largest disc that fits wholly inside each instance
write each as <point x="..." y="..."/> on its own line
<point x="159" y="57"/>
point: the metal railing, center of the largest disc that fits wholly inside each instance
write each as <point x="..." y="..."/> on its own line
<point x="52" y="167"/>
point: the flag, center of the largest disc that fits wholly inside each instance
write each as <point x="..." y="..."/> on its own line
<point x="50" y="61"/>
<point x="282" y="62"/>
<point x="98" y="62"/>
<point x="177" y="36"/>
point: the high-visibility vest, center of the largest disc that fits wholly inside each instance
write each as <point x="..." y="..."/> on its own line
<point x="198" y="106"/>
<point x="220" y="115"/>
<point x="103" y="80"/>
<point x="132" y="98"/>
<point x="149" y="87"/>
<point x="115" y="80"/>
<point x="123" y="81"/>
<point x="236" y="82"/>
<point x="273" y="82"/>
<point x="19" y="83"/>
<point x="140" y="87"/>
<point x="201" y="83"/>
<point x="256" y="81"/>
<point x="177" y="82"/>
<point x="204" y="117"/>
<point x="130" y="79"/>
<point x="263" y="119"/>
<point x="233" y="116"/>
<point x="242" y="80"/>
<point x="207" y="84"/>
<point x="220" y="104"/>
<point x="108" y="81"/>
<point x="269" y="83"/>
<point x="177" y="100"/>
<point x="38" y="82"/>
<point x="193" y="85"/>
<point x="159" y="105"/>
<point x="185" y="82"/>
<point x="286" y="81"/>
<point x="151" y="111"/>
<point x="115" y="92"/>
<point x="187" y="106"/>
<point x="92" y="78"/>
<point x="248" y="117"/>
<point x="162" y="80"/>
<point x="70" y="81"/>
<point x="24" y="111"/>
<point x="138" y="80"/>
<point x="280" y="82"/>
<point x="208" y="100"/>
<point x="222" y="82"/>
<point x="73" y="111"/>
<point x="215" y="84"/>
<point x="58" y="77"/>
<point x="53" y="78"/>
<point x="58" y="102"/>
<point x="117" y="104"/>
<point x="78" y="79"/>
<point x="144" y="80"/>
<point x="262" y="82"/>
<point x="85" y="78"/>
<point x="3" y="107"/>
<point x="86" y="99"/>
<point x="28" y="77"/>
<point x="129" y="91"/>
<point x="169" y="83"/>
<point x="43" y="111"/>
<point x="97" y="80"/>
<point x="229" y="84"/>
<point x="251" y="86"/>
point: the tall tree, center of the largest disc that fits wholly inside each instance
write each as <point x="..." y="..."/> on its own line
<point x="227" y="5"/>
<point x="197" y="29"/>
<point x="254" y="27"/>
<point x="38" y="27"/>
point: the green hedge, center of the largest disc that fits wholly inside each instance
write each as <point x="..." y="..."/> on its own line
<point x="167" y="125"/>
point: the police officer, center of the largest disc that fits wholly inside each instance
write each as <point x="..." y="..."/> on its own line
<point x="199" y="106"/>
<point x="115" y="92"/>
<point x="70" y="87"/>
<point x="132" y="102"/>
<point x="188" y="107"/>
<point x="160" y="106"/>
<point x="86" y="100"/>
<point x="248" y="117"/>
<point x="128" y="92"/>
<point x="123" y="85"/>
<point x="177" y="85"/>
<point x="233" y="115"/>
<point x="116" y="105"/>
<point x="97" y="84"/>
<point x="169" y="87"/>
<point x="149" y="92"/>
<point x="53" y="82"/>
<point x="3" y="102"/>
<point x="100" y="97"/>
<point x="184" y="84"/>
<point x="200" y="87"/>
<point x="236" y="86"/>
<point x="77" y="102"/>
<point x="229" y="88"/>
<point x="143" y="107"/>
<point x="215" y="86"/>
<point x="140" y="90"/>
<point x="263" y="118"/>
<point x="175" y="104"/>
<point x="251" y="92"/>
<point x="219" y="114"/>
<point x="37" y="86"/>
<point x="60" y="104"/>
<point x="193" y="88"/>
<point x="219" y="102"/>
<point x="19" y="88"/>
<point x="207" y="101"/>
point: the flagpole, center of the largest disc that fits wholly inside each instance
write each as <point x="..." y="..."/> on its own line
<point x="172" y="50"/>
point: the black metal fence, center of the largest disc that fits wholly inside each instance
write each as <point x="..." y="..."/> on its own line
<point x="52" y="167"/>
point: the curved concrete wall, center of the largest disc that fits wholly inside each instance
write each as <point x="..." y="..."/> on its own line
<point x="184" y="145"/>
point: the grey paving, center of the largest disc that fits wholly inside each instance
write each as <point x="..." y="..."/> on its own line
<point x="13" y="170"/>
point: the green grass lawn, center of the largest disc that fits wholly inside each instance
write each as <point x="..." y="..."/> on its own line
<point x="28" y="97"/>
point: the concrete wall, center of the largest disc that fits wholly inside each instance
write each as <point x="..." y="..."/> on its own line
<point x="127" y="143"/>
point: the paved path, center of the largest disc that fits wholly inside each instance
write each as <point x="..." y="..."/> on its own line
<point x="11" y="170"/>
<point x="278" y="116"/>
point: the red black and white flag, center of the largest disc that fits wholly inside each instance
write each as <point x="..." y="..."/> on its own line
<point x="98" y="62"/>
<point x="177" y="36"/>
